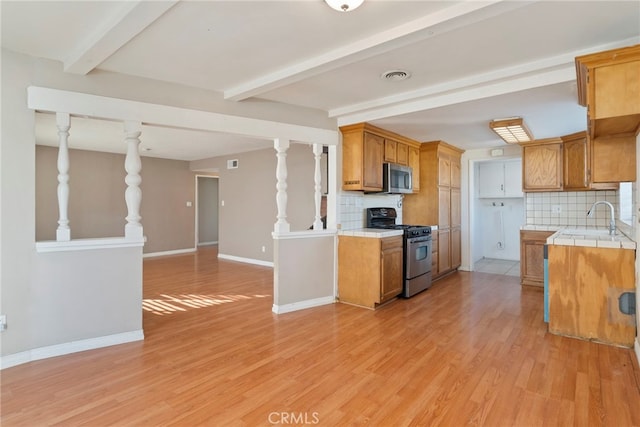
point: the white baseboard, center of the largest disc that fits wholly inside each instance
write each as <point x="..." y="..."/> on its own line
<point x="636" y="347"/>
<point x="176" y="252"/>
<point x="301" y="305"/>
<point x="68" y="348"/>
<point x="246" y="260"/>
<point x="207" y="243"/>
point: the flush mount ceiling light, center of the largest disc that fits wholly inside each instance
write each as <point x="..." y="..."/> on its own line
<point x="344" y="5"/>
<point x="511" y="130"/>
<point x="395" y="75"/>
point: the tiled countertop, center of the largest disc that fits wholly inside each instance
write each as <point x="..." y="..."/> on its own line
<point x="370" y="232"/>
<point x="375" y="232"/>
<point x="595" y="237"/>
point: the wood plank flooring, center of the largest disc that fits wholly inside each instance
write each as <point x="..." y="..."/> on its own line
<point x="473" y="349"/>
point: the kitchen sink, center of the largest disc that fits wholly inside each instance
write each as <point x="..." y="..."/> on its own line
<point x="587" y="232"/>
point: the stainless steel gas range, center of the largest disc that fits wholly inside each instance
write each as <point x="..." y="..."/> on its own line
<point x="417" y="249"/>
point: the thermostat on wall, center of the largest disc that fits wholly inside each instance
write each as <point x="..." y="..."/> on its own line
<point x="232" y="164"/>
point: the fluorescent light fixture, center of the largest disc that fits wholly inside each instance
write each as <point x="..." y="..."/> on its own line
<point x="512" y="130"/>
<point x="344" y="5"/>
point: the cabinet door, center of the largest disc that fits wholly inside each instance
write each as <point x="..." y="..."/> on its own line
<point x="491" y="179"/>
<point x="613" y="159"/>
<point x="456" y="247"/>
<point x="390" y="147"/>
<point x="434" y="254"/>
<point x="455" y="173"/>
<point x="532" y="257"/>
<point x="456" y="219"/>
<point x="444" y="171"/>
<point x="444" y="251"/>
<point x="444" y="207"/>
<point x="372" y="162"/>
<point x="402" y="154"/>
<point x="414" y="162"/>
<point x="391" y="271"/>
<point x="576" y="164"/>
<point x="513" y="178"/>
<point x="542" y="167"/>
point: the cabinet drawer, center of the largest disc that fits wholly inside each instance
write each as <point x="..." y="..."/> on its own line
<point x="390" y="242"/>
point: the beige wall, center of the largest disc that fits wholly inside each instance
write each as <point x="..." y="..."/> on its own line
<point x="96" y="201"/>
<point x="249" y="196"/>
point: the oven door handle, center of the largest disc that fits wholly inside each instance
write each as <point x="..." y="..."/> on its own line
<point x="418" y="239"/>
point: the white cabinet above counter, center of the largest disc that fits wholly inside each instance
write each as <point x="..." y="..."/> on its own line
<point x="500" y="179"/>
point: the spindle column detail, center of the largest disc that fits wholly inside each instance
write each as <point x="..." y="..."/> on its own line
<point x="133" y="193"/>
<point x="63" y="122"/>
<point x="317" y="153"/>
<point x="281" y="146"/>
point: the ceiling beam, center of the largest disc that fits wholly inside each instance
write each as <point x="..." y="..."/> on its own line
<point x="131" y="19"/>
<point x="455" y="16"/>
<point x="544" y="72"/>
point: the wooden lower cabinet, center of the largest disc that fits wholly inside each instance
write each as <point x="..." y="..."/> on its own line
<point x="585" y="285"/>
<point x="532" y="257"/>
<point x="369" y="270"/>
<point x="444" y="251"/>
<point x="434" y="253"/>
<point x="456" y="247"/>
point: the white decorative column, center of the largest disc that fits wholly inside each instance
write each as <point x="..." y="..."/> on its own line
<point x="133" y="193"/>
<point x="317" y="194"/>
<point x="63" y="122"/>
<point x="281" y="146"/>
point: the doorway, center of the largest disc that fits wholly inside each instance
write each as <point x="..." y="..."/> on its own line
<point x="206" y="210"/>
<point x="498" y="208"/>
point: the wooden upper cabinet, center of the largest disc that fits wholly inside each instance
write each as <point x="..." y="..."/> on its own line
<point x="390" y="151"/>
<point x="402" y="154"/>
<point x="455" y="174"/>
<point x="372" y="170"/>
<point x="613" y="160"/>
<point x="576" y="167"/>
<point x="609" y="86"/>
<point x="414" y="162"/>
<point x="396" y="152"/>
<point x="542" y="165"/>
<point x="364" y="150"/>
<point x="444" y="171"/>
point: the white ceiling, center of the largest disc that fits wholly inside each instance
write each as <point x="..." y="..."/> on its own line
<point x="470" y="61"/>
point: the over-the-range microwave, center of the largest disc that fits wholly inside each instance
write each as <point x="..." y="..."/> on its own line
<point x="397" y="179"/>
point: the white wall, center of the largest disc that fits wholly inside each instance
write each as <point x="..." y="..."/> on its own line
<point x="498" y="228"/>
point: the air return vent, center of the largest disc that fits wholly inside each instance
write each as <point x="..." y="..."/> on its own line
<point x="395" y="75"/>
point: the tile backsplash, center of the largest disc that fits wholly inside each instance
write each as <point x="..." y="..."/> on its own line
<point x="353" y="206"/>
<point x="570" y="208"/>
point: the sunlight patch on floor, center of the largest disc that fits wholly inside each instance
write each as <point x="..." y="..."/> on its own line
<point x="169" y="304"/>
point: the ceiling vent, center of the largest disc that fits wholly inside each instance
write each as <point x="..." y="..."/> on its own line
<point x="395" y="75"/>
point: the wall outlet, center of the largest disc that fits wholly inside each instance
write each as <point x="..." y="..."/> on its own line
<point x="3" y="322"/>
<point x="264" y="249"/>
<point x="556" y="209"/>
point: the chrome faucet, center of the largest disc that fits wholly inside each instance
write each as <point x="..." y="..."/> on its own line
<point x="612" y="221"/>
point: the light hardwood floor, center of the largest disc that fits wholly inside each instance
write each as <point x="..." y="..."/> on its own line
<point x="473" y="349"/>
